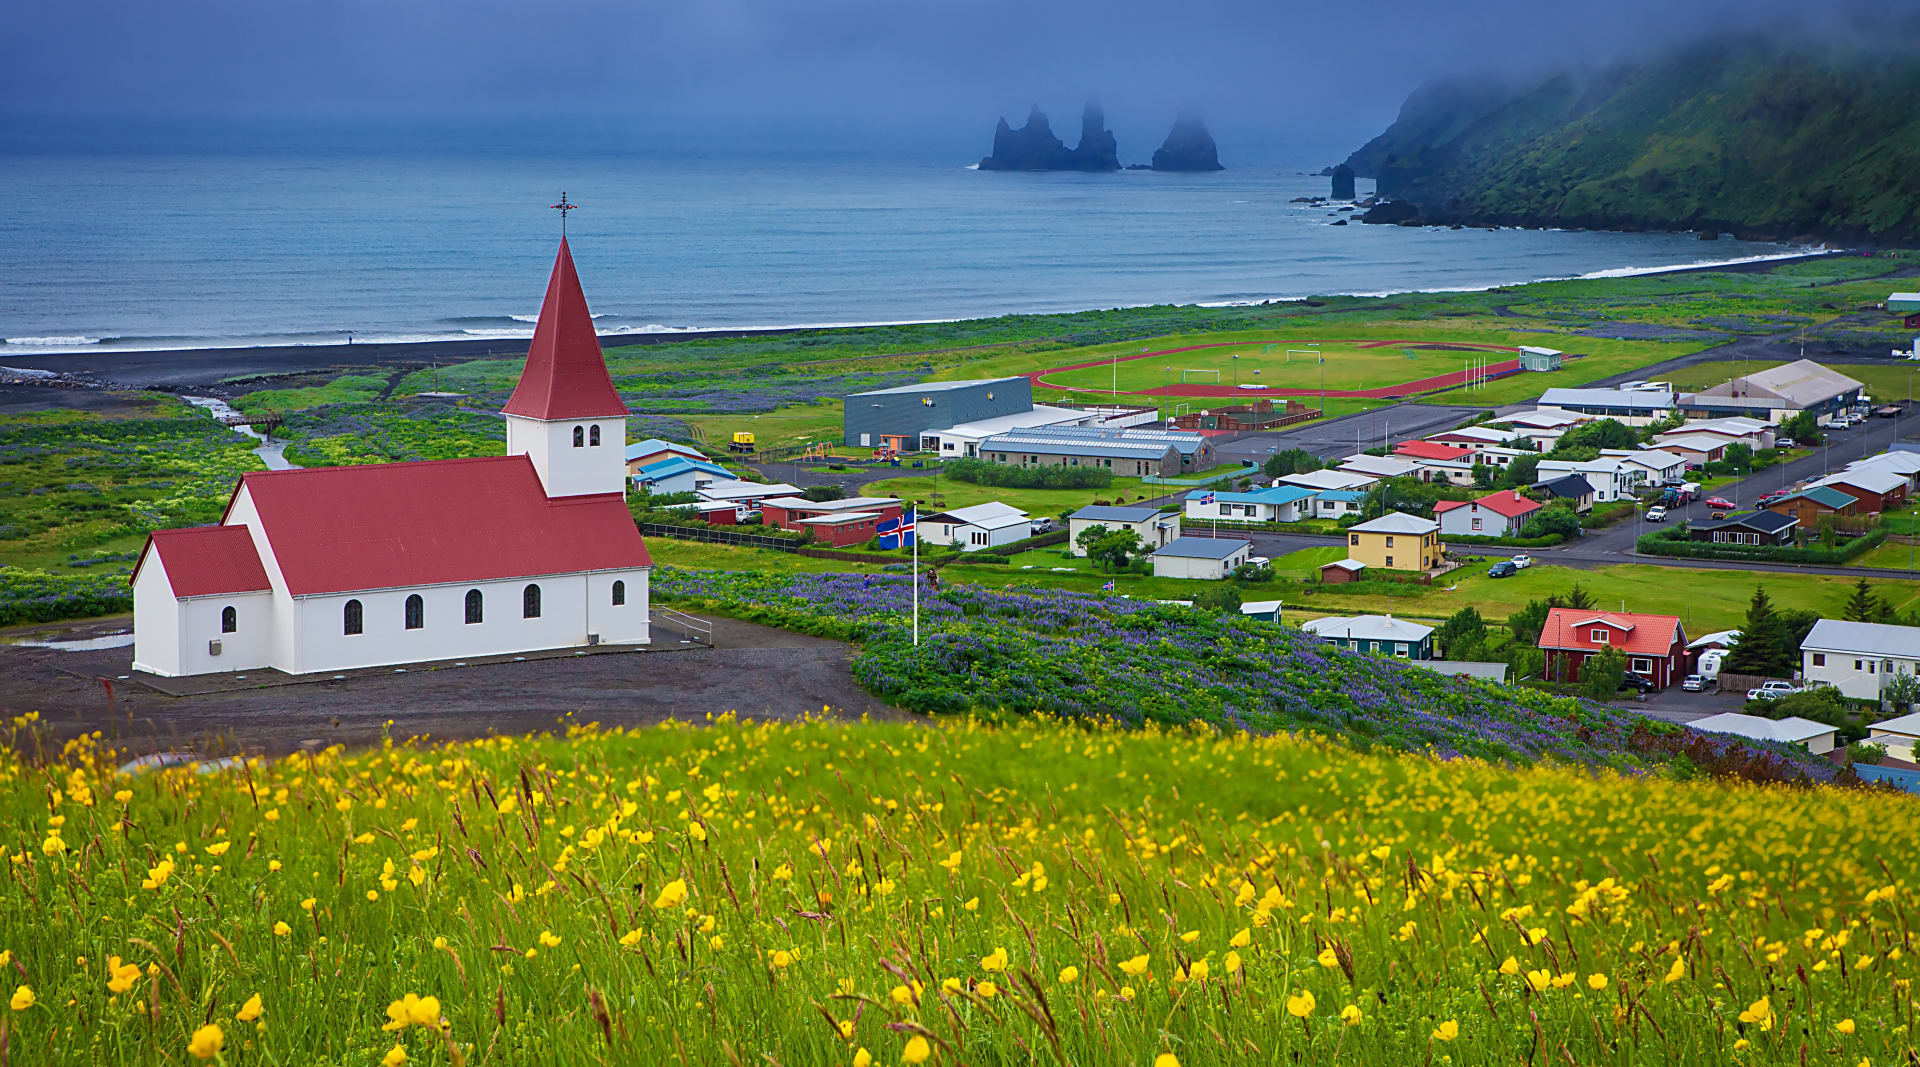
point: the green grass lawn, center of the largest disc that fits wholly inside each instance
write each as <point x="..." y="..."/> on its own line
<point x="796" y="424"/>
<point x="1279" y="364"/>
<point x="1895" y="554"/>
<point x="940" y="491"/>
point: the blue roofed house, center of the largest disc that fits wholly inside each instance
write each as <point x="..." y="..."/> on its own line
<point x="680" y="475"/>
<point x="1336" y="503"/>
<point x="653" y="450"/>
<point x="1284" y="503"/>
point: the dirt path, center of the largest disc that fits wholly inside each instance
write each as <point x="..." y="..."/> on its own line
<point x="754" y="670"/>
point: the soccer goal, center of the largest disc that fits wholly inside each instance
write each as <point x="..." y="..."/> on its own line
<point x="1184" y="371"/>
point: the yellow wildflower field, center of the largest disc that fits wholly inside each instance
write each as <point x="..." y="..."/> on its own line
<point x="860" y="893"/>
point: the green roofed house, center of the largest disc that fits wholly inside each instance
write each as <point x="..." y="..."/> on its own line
<point x="1383" y="634"/>
<point x="1810" y="505"/>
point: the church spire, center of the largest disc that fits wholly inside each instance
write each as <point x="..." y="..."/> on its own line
<point x="565" y="376"/>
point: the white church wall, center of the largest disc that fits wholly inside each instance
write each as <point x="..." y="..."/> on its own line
<point x="241" y="512"/>
<point x="323" y="646"/>
<point x="566" y="470"/>
<point x="248" y="648"/>
<point x="156" y="621"/>
<point x="623" y="624"/>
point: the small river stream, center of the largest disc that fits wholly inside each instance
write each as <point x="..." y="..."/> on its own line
<point x="272" y="453"/>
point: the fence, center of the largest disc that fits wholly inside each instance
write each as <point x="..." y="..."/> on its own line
<point x="694" y="631"/>
<point x="1740" y="683"/>
<point x="718" y="535"/>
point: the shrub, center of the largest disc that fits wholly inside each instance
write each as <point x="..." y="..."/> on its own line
<point x="981" y="472"/>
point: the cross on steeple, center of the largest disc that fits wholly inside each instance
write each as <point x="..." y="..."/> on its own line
<point x="563" y="207"/>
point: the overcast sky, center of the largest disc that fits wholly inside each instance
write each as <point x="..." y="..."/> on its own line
<point x="1319" y="71"/>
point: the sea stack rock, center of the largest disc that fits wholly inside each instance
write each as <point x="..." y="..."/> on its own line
<point x="1034" y="146"/>
<point x="1188" y="148"/>
<point x="1343" y="182"/>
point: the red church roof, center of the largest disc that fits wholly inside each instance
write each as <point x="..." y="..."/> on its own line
<point x="565" y="377"/>
<point x="206" y="560"/>
<point x="1506" y="502"/>
<point x="387" y="525"/>
<point x="1630" y="632"/>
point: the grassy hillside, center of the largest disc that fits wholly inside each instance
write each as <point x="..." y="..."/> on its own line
<point x="1747" y="136"/>
<point x="830" y="894"/>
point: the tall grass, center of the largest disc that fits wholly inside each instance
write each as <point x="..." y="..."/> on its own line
<point x="845" y="893"/>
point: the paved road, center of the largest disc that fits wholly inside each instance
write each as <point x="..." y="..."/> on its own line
<point x="1342" y="437"/>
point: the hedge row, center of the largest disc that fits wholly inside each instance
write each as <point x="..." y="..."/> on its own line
<point x="1672" y="543"/>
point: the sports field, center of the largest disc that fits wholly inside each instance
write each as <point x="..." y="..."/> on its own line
<point x="1342" y="367"/>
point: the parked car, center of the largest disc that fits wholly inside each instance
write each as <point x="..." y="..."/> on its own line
<point x="1521" y="562"/>
<point x="1720" y="502"/>
<point x="1656" y="513"/>
<point x="1694" y="683"/>
<point x="1784" y="443"/>
<point x="1638" y="682"/>
<point x="1502" y="569"/>
<point x="1040" y="525"/>
<point x="1773" y="690"/>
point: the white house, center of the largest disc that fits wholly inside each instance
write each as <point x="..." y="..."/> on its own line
<point x="1282" y="503"/>
<point x="1905" y="464"/>
<point x="1610" y="478"/>
<point x="1327" y="479"/>
<point x="747" y="494"/>
<point x="1793" y="730"/>
<point x="1900" y="735"/>
<point x="1154" y="527"/>
<point x="1859" y="658"/>
<point x="1334" y="503"/>
<point x="1200" y="557"/>
<point x="976" y="527"/>
<point x="1383" y="634"/>
<point x="1381" y="466"/>
<point x="1660" y="466"/>
<point x="334" y="568"/>
<point x="1498" y="514"/>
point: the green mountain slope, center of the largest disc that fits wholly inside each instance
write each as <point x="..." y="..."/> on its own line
<point x="1746" y="136"/>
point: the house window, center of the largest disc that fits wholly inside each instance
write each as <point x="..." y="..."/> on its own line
<point x="1389" y="540"/>
<point x="1600" y="637"/>
<point x="1389" y="562"/>
<point x="1353" y="539"/>
<point x="1641" y="665"/>
<point x="1856" y="665"/>
<point x="1476" y="524"/>
<point x="416" y="612"/>
<point x="1819" y="659"/>
<point x="229" y="620"/>
<point x="593" y="436"/>
<point x="475" y="606"/>
<point x="350" y="618"/>
<point x="1400" y="648"/>
<point x="529" y="603"/>
<point x="619" y="593"/>
<point x="579" y="436"/>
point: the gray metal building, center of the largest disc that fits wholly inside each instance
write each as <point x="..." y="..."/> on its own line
<point x="897" y="416"/>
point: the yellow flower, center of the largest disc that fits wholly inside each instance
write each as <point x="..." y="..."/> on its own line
<point x="994" y="961"/>
<point x="307" y="905"/>
<point x="1351" y="1015"/>
<point x="1596" y="982"/>
<point x="1446" y="1031"/>
<point x="23" y="998"/>
<point x="1231" y="962"/>
<point x="1845" y="1026"/>
<point x="250" y="1010"/>
<point x="1135" y="967"/>
<point x="412" y="1010"/>
<point x="1328" y="957"/>
<point x="1166" y="1059"/>
<point x="1241" y="939"/>
<point x="207" y="1042"/>
<point x="1759" y="1013"/>
<point x="1677" y="971"/>
<point x="281" y="929"/>
<point x="863" y="1058"/>
<point x="1190" y="936"/>
<point x="900" y="994"/>
<point x="219" y="848"/>
<point x="1300" y="1005"/>
<point x="917" y="1050"/>
<point x="630" y="938"/>
<point x="986" y="989"/>
<point x="1539" y="979"/>
<point x="395" y="1057"/>
<point x="781" y="957"/>
<point x="1509" y="966"/>
<point x="846" y="1028"/>
<point x="952" y="863"/>
<point x="549" y="939"/>
<point x="1198" y="971"/>
<point x="1068" y="974"/>
<point x="972" y="904"/>
<point x="121" y="976"/>
<point x="672" y="895"/>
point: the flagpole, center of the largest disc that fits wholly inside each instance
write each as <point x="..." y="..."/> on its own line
<point x="916" y="580"/>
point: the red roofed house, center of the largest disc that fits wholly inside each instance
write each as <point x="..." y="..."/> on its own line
<point x="1500" y="514"/>
<point x="1459" y="450"/>
<point x="1655" y="645"/>
<point x="333" y="568"/>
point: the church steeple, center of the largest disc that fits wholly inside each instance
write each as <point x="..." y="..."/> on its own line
<point x="566" y="376"/>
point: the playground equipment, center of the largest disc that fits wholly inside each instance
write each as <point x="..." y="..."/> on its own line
<point x="818" y="450"/>
<point x="742" y="443"/>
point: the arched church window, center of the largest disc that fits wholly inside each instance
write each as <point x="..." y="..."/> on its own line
<point x="593" y="437"/>
<point x="350" y="618"/>
<point x="530" y="602"/>
<point x="579" y="436"/>
<point x="619" y="593"/>
<point x="473" y="606"/>
<point x="229" y="620"/>
<point x="416" y="612"/>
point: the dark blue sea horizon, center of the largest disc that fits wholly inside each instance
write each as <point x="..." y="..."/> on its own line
<point x="165" y="235"/>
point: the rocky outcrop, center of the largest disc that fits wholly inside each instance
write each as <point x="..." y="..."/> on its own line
<point x="1343" y="182"/>
<point x="1189" y="147"/>
<point x="1034" y="146"/>
<point x="1391" y="212"/>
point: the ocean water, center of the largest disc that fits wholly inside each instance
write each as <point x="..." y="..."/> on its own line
<point x="203" y="238"/>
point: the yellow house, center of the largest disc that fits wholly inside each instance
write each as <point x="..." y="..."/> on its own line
<point x="1396" y="542"/>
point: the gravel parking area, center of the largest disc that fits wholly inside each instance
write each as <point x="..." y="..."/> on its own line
<point x="754" y="670"/>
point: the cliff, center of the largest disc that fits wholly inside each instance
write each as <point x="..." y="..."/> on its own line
<point x="1750" y="136"/>
<point x="1034" y="146"/>
<point x="1188" y="147"/>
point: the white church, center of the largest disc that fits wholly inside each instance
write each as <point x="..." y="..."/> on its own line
<point x="331" y="568"/>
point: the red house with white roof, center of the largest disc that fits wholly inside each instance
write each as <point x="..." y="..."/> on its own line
<point x="333" y="568"/>
<point x="1500" y="514"/>
<point x="1655" y="645"/>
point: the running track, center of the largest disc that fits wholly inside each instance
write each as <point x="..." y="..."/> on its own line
<point x="1422" y="385"/>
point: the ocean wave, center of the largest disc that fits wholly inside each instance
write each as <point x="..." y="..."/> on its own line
<point x="65" y="340"/>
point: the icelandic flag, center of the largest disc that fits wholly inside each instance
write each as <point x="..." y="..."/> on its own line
<point x="906" y="528"/>
<point x="1206" y="498"/>
<point x="1109" y="586"/>
<point x="889" y="532"/>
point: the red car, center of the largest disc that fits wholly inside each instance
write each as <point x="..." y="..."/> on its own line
<point x="1719" y="502"/>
